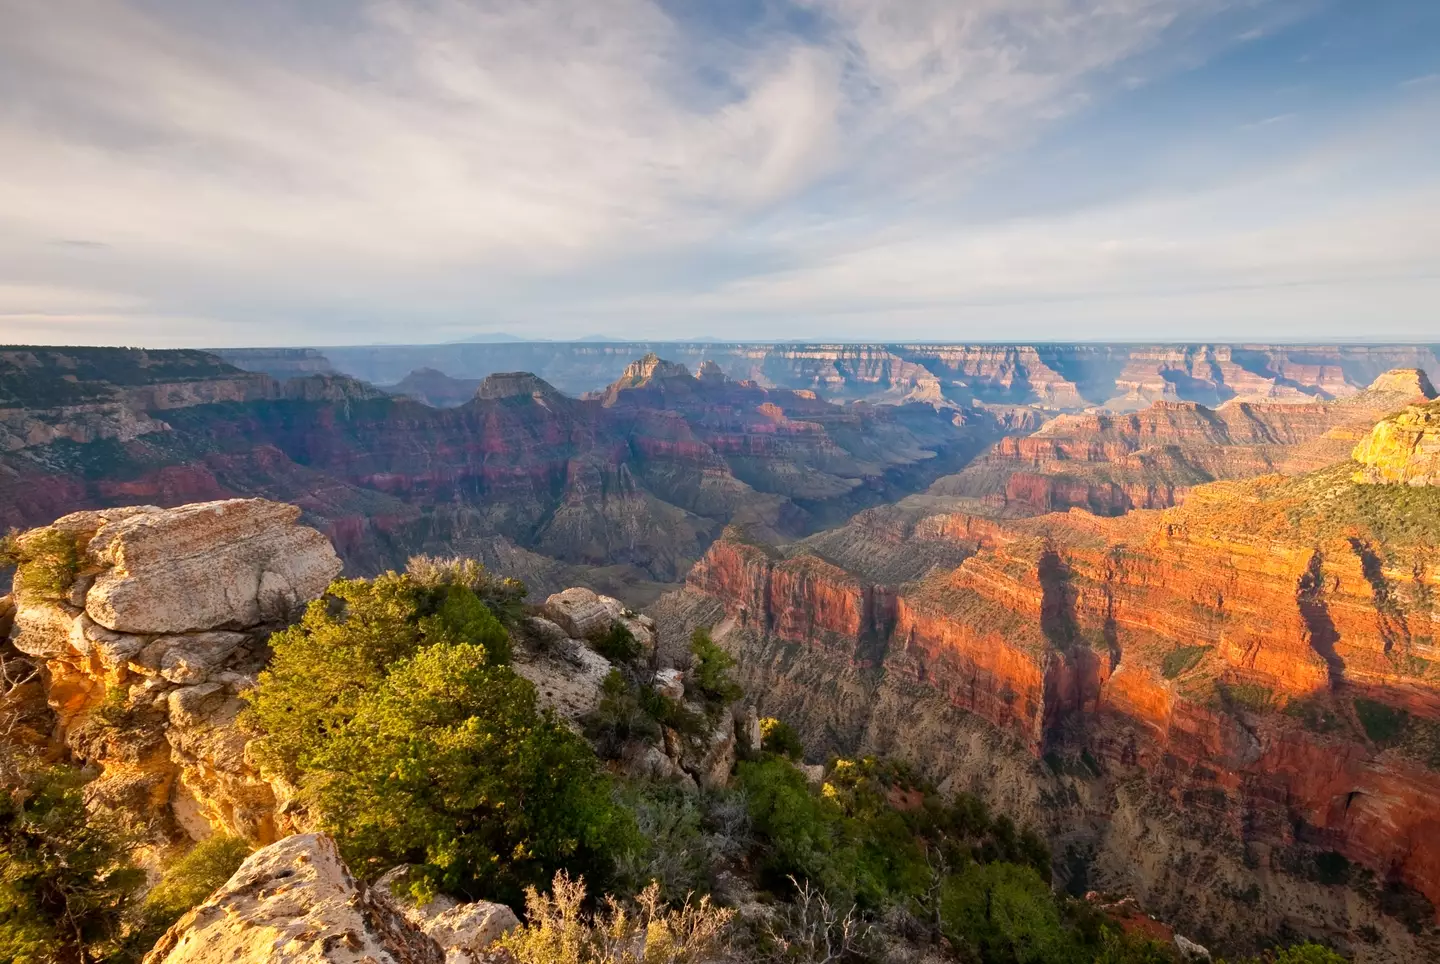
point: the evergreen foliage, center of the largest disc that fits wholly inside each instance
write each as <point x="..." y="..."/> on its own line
<point x="711" y="669"/>
<point x="65" y="884"/>
<point x="392" y="705"/>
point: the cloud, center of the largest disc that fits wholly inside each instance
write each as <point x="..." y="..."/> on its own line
<point x="406" y="167"/>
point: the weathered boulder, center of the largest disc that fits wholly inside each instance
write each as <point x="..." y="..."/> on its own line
<point x="670" y="683"/>
<point x="236" y="563"/>
<point x="1403" y="449"/>
<point x="585" y="614"/>
<point x="296" y="901"/>
<point x="163" y="626"/>
<point x="464" y="931"/>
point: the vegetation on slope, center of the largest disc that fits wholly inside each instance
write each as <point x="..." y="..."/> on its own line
<point x="393" y="706"/>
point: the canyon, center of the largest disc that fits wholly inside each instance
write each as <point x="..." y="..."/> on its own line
<point x="1229" y="708"/>
<point x="621" y="491"/>
<point x="1176" y="606"/>
<point x="1120" y="377"/>
<point x="1111" y="463"/>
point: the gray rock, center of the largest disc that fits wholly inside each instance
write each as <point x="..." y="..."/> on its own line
<point x="670" y="683"/>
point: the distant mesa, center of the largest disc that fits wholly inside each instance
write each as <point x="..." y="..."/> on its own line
<point x="711" y="373"/>
<point x="651" y="371"/>
<point x="514" y="385"/>
<point x="435" y="388"/>
<point x="1410" y="382"/>
<point x="652" y="368"/>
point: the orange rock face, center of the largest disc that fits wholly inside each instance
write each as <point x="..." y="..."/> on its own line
<point x="1268" y="648"/>
<point x="1112" y="463"/>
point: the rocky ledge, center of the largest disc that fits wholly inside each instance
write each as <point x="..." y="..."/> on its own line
<point x="1403" y="449"/>
<point x="296" y="901"/>
<point x="150" y="623"/>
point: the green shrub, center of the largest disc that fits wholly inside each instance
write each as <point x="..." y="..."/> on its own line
<point x="711" y="669"/>
<point x="1182" y="660"/>
<point x="620" y="717"/>
<point x="1383" y="724"/>
<point x="618" y="644"/>
<point x="342" y="649"/>
<point x="187" y="883"/>
<point x="503" y="596"/>
<point x="1006" y="914"/>
<point x="779" y="737"/>
<point x="798" y="829"/>
<point x="677" y="716"/>
<point x="65" y="885"/>
<point x="1249" y="696"/>
<point x="450" y="766"/>
<point x="48" y="561"/>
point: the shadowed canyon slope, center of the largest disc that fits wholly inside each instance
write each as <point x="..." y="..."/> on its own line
<point x="632" y="485"/>
<point x="1230" y="708"/>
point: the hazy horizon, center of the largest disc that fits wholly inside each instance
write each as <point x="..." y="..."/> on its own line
<point x="207" y="174"/>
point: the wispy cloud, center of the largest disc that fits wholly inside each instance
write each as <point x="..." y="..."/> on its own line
<point x="438" y="163"/>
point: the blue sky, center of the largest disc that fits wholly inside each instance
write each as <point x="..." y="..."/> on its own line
<point x="198" y="172"/>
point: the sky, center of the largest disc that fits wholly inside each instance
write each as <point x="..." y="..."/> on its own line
<point x="327" y="172"/>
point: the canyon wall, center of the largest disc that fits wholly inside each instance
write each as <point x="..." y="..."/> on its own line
<point x="1119" y="376"/>
<point x="1230" y="709"/>
<point x="620" y="491"/>
<point x="1111" y="463"/>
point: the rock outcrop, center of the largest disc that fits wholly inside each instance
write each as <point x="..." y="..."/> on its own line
<point x="1404" y="448"/>
<point x="464" y="931"/>
<point x="554" y="650"/>
<point x="162" y="624"/>
<point x="295" y="902"/>
<point x="1112" y="463"/>
<point x="1203" y="705"/>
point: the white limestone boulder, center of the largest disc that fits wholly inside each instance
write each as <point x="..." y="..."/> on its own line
<point x="210" y="565"/>
<point x="295" y="902"/>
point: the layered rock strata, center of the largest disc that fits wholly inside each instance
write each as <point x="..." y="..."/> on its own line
<point x="1112" y="463"/>
<point x="1404" y="448"/>
<point x="632" y="485"/>
<point x="1211" y="707"/>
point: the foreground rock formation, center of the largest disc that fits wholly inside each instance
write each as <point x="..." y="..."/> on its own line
<point x="1230" y="709"/>
<point x="296" y="901"/>
<point x="160" y="625"/>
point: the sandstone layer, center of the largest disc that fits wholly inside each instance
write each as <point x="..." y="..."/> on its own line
<point x="1203" y="704"/>
<point x="1404" y="448"/>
